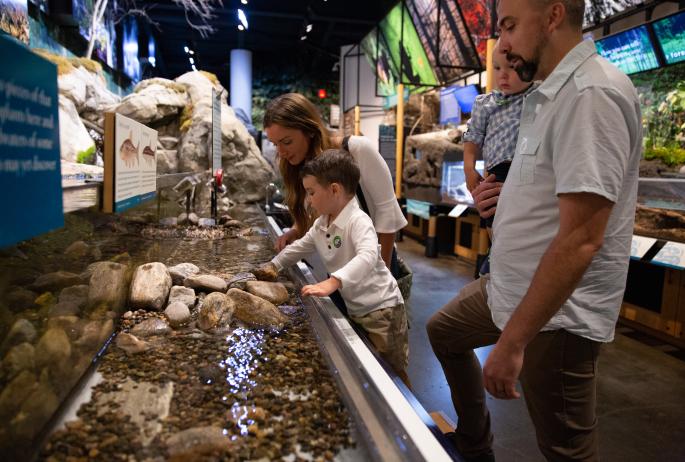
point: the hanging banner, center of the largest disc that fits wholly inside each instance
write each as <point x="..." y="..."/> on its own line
<point x="31" y="199"/>
<point x="14" y="19"/>
<point x="130" y="163"/>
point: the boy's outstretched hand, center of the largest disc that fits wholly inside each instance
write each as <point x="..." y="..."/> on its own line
<point x="322" y="289"/>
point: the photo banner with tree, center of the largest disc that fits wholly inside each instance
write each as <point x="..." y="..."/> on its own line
<point x="445" y="38"/>
<point x="478" y="18"/>
<point x="377" y="54"/>
<point x="406" y="50"/>
<point x="14" y="19"/>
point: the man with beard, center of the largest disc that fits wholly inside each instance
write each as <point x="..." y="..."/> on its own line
<point x="562" y="236"/>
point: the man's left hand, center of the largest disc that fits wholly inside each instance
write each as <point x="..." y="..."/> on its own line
<point x="322" y="289"/>
<point x="501" y="371"/>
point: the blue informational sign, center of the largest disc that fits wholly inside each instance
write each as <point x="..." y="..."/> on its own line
<point x="631" y="51"/>
<point x="30" y="178"/>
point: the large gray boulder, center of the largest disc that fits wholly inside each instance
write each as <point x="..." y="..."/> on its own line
<point x="55" y="281"/>
<point x="74" y="139"/>
<point x="154" y="100"/>
<point x="245" y="170"/>
<point x="181" y="271"/>
<point x="150" y="286"/>
<point x="177" y="313"/>
<point x="108" y="285"/>
<point x="180" y="294"/>
<point x="206" y="283"/>
<point x="256" y="312"/>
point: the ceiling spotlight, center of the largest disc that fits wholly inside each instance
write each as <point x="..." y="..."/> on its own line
<point x="309" y="28"/>
<point x="244" y="2"/>
<point x="242" y="18"/>
<point x="192" y="61"/>
<point x="194" y="68"/>
<point x="185" y="49"/>
<point x="191" y="52"/>
<point x="240" y="27"/>
<point x="304" y="37"/>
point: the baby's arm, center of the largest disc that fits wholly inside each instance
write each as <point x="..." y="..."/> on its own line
<point x="471" y="152"/>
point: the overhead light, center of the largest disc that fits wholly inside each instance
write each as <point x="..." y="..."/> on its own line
<point x="194" y="68"/>
<point x="242" y="18"/>
<point x="240" y="27"/>
<point x="192" y="61"/>
<point x="244" y="2"/>
<point x="304" y="37"/>
<point x="185" y="49"/>
<point x="152" y="61"/>
<point x="309" y="28"/>
<point x="191" y="52"/>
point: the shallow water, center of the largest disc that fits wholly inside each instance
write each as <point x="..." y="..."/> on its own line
<point x="268" y="392"/>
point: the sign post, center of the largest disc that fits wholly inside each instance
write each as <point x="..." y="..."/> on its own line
<point x="216" y="149"/>
<point x="31" y="199"/>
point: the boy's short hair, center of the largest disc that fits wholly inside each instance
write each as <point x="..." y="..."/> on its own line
<point x="334" y="166"/>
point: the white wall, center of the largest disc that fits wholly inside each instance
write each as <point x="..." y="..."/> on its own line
<point x="366" y="90"/>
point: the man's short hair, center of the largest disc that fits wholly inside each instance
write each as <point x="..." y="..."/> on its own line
<point x="575" y="10"/>
<point x="334" y="166"/>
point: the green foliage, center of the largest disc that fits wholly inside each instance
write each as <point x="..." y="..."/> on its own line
<point x="670" y="156"/>
<point x="87" y="156"/>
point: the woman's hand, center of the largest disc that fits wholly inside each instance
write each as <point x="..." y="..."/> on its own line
<point x="322" y="289"/>
<point x="285" y="239"/>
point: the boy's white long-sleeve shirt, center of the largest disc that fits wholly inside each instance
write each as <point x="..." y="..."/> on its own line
<point x="350" y="251"/>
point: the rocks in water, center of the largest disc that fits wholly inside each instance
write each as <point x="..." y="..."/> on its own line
<point x="210" y="374"/>
<point x="20" y="357"/>
<point x="150" y="327"/>
<point x="150" y="286"/>
<point x="256" y="312"/>
<point x="206" y="283"/>
<point x="274" y="292"/>
<point x="90" y="269"/>
<point x="35" y="411"/>
<point x="77" y="295"/>
<point x="71" y="325"/>
<point x="95" y="333"/>
<point x="239" y="281"/>
<point x="206" y="222"/>
<point x="64" y="309"/>
<point x="182" y="294"/>
<point x="189" y="444"/>
<point x="193" y="219"/>
<point x="76" y="250"/>
<point x="20" y="298"/>
<point x="169" y="221"/>
<point x="177" y="313"/>
<point x="53" y="349"/>
<point x="266" y="272"/>
<point x="15" y="393"/>
<point x="55" y="281"/>
<point x="21" y="331"/>
<point x="181" y="271"/>
<point x="108" y="285"/>
<point x="216" y="310"/>
<point x="131" y="344"/>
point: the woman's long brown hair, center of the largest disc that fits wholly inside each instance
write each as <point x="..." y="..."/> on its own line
<point x="294" y="111"/>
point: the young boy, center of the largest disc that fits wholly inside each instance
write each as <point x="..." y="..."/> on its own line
<point x="346" y="241"/>
<point x="494" y="127"/>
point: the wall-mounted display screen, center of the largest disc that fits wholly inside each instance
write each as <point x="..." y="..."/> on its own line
<point x="670" y="33"/>
<point x="130" y="48"/>
<point x="632" y="50"/>
<point x="14" y="19"/>
<point x="466" y="96"/>
<point x="450" y="112"/>
<point x="597" y="11"/>
<point x="406" y="48"/>
<point x="377" y="54"/>
<point x="105" y="35"/>
<point x="449" y="33"/>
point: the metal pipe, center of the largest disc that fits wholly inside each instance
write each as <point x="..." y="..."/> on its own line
<point x="399" y="146"/>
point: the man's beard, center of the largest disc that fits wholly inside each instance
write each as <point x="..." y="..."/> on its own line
<point x="526" y="70"/>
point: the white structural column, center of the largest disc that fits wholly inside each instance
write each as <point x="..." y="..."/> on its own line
<point x="241" y="81"/>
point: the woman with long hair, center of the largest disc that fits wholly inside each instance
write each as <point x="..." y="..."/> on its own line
<point x="293" y="124"/>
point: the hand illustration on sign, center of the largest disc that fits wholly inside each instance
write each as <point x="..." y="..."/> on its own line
<point x="129" y="152"/>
